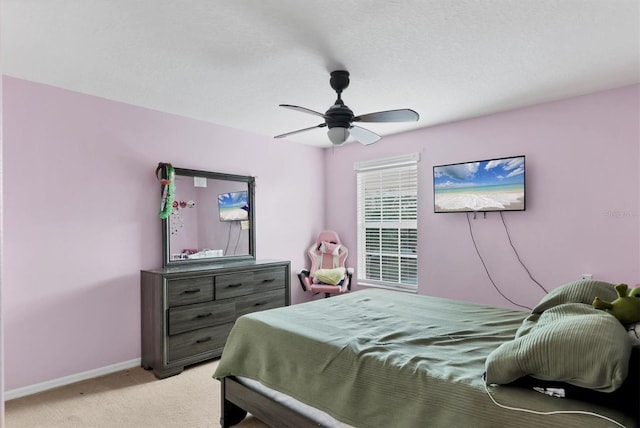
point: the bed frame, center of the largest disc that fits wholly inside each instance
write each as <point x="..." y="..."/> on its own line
<point x="237" y="399"/>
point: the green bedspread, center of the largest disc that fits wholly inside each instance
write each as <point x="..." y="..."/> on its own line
<point x="377" y="358"/>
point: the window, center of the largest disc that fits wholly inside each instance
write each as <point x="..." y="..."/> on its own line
<point x="388" y="222"/>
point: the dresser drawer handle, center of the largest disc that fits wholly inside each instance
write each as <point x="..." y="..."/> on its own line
<point x="192" y="291"/>
<point x="269" y="280"/>
<point x="203" y="340"/>
<point x="234" y="285"/>
<point x="210" y="314"/>
<point x="260" y="303"/>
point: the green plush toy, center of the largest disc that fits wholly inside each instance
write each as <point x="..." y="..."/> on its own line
<point x="626" y="307"/>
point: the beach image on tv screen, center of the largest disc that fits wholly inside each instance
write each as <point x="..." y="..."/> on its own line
<point x="490" y="185"/>
<point x="233" y="206"/>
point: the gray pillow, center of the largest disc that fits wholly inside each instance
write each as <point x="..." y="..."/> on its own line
<point x="582" y="291"/>
<point x="566" y="340"/>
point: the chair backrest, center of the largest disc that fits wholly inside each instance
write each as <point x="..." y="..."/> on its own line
<point x="327" y="252"/>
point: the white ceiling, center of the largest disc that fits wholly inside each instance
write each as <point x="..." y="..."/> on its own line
<point x="232" y="62"/>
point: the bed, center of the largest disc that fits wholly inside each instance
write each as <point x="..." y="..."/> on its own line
<point x="379" y="358"/>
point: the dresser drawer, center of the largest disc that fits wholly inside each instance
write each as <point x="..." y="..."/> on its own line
<point x="189" y="290"/>
<point x="259" y="302"/>
<point x="195" y="342"/>
<point x="243" y="283"/>
<point x="192" y="317"/>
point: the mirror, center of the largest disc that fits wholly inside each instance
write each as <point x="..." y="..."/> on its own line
<point x="211" y="220"/>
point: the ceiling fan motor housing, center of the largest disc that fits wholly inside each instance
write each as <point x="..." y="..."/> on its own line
<point x="339" y="115"/>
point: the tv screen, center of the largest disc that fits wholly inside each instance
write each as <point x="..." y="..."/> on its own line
<point x="233" y="206"/>
<point x="488" y="185"/>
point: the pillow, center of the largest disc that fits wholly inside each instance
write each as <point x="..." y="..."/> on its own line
<point x="565" y="339"/>
<point x="570" y="342"/>
<point x="329" y="276"/>
<point x="581" y="291"/>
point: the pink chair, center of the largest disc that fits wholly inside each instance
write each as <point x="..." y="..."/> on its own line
<point x="328" y="273"/>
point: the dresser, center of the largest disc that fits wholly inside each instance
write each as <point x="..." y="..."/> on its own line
<point x="188" y="311"/>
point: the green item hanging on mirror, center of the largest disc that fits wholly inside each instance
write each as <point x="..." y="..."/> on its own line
<point x="167" y="176"/>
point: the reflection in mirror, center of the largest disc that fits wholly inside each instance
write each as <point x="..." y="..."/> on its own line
<point x="211" y="220"/>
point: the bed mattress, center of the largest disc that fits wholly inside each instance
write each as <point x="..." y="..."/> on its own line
<point x="378" y="358"/>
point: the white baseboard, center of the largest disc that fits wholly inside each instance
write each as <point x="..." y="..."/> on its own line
<point x="54" y="383"/>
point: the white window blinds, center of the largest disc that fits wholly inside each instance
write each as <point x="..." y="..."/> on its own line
<point x="388" y="222"/>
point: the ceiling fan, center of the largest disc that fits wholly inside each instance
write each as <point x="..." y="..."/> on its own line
<point x="339" y="119"/>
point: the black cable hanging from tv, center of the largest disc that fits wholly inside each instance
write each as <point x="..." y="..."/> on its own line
<point x="235" y="249"/>
<point x="518" y="256"/>
<point x="228" y="239"/>
<point x="487" y="269"/>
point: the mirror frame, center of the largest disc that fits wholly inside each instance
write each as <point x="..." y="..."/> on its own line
<point x="166" y="233"/>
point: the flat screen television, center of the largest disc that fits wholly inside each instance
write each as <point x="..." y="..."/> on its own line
<point x="480" y="186"/>
<point x="233" y="206"/>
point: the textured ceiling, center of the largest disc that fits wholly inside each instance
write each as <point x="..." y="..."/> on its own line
<point x="232" y="62"/>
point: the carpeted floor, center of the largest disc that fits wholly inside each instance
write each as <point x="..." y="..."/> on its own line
<point x="130" y="398"/>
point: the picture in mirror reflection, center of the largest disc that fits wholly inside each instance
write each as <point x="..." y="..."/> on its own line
<point x="233" y="206"/>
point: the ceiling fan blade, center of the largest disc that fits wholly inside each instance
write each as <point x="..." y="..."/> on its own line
<point x="322" y="125"/>
<point x="302" y="109"/>
<point x="402" y="115"/>
<point x="363" y="135"/>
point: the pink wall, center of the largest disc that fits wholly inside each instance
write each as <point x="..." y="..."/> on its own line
<point x="80" y="214"/>
<point x="81" y="202"/>
<point x="583" y="187"/>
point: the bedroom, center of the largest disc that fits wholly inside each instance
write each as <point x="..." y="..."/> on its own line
<point x="80" y="200"/>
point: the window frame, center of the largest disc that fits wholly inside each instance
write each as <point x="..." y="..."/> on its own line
<point x="398" y="221"/>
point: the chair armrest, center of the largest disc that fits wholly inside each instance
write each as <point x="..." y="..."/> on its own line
<point x="303" y="276"/>
<point x="348" y="279"/>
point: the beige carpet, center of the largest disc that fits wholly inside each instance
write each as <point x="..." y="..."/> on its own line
<point x="130" y="398"/>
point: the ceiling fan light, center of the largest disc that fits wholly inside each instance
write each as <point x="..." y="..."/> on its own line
<point x="338" y="135"/>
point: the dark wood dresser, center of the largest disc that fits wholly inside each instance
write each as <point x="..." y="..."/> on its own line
<point x="188" y="311"/>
